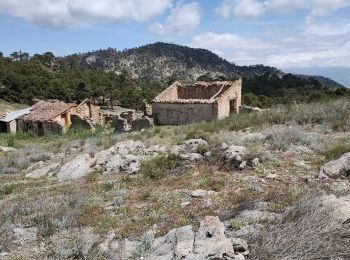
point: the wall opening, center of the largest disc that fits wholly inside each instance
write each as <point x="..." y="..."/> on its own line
<point x="233" y="106"/>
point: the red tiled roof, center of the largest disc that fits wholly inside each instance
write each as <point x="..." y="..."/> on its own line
<point x="47" y="110"/>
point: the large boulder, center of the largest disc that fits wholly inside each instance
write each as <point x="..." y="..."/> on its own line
<point x="124" y="156"/>
<point x="337" y="168"/>
<point x="235" y="153"/>
<point x="44" y="171"/>
<point x="208" y="242"/>
<point x="7" y="149"/>
<point x="211" y="242"/>
<point x="77" y="168"/>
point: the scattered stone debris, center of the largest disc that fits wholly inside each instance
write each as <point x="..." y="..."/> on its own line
<point x="239" y="157"/>
<point x="131" y="121"/>
<point x="249" y="109"/>
<point x="202" y="193"/>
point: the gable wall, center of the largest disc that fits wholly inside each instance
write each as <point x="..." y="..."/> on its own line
<point x="181" y="114"/>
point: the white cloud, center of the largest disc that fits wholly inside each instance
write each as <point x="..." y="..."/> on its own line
<point x="255" y="8"/>
<point x="183" y="19"/>
<point x="328" y="29"/>
<point x="249" y="8"/>
<point x="72" y="13"/>
<point x="212" y="41"/>
<point x="303" y="49"/>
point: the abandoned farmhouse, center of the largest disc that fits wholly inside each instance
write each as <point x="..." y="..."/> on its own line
<point x="51" y="116"/>
<point x="192" y="103"/>
<point x="179" y="104"/>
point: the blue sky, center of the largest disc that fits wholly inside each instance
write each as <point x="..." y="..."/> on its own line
<point x="310" y="36"/>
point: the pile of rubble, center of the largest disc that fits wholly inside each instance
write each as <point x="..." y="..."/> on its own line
<point x="128" y="120"/>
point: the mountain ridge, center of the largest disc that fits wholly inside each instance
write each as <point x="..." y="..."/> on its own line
<point x="163" y="61"/>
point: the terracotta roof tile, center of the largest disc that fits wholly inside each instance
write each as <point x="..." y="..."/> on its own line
<point x="47" y="110"/>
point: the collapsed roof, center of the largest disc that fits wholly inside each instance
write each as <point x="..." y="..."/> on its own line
<point x="10" y="116"/>
<point x="200" y="92"/>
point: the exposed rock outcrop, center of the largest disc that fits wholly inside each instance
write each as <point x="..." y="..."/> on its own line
<point x="336" y="168"/>
<point x="44" y="171"/>
<point x="208" y="242"/>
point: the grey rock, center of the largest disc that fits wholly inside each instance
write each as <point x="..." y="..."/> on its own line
<point x="77" y="168"/>
<point x="211" y="242"/>
<point x="243" y="165"/>
<point x="192" y="157"/>
<point x="202" y="193"/>
<point x="255" y="162"/>
<point x="7" y="149"/>
<point x="192" y="145"/>
<point x="123" y="156"/>
<point x="240" y="246"/>
<point x="271" y="176"/>
<point x="25" y="236"/>
<point x="39" y="173"/>
<point x="337" y="168"/>
<point x="235" y="153"/>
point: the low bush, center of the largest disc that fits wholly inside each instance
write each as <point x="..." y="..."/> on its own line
<point x="157" y="167"/>
<point x="336" y="152"/>
<point x="282" y="137"/>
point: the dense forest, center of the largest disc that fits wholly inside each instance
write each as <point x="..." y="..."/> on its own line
<point x="44" y="76"/>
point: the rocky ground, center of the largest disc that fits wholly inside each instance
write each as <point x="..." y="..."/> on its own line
<point x="207" y="191"/>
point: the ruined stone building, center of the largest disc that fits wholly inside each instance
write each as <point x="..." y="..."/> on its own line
<point x="8" y="121"/>
<point x="87" y="115"/>
<point x="192" y="103"/>
<point x="52" y="116"/>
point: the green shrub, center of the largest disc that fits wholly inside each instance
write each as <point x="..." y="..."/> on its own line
<point x="107" y="186"/>
<point x="336" y="151"/>
<point x="236" y="224"/>
<point x="10" y="141"/>
<point x="214" y="184"/>
<point x="6" y="189"/>
<point x="156" y="167"/>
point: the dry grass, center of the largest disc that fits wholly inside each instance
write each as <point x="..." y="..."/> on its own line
<point x="307" y="231"/>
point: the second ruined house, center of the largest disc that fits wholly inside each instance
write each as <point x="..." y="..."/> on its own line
<point x="192" y="103"/>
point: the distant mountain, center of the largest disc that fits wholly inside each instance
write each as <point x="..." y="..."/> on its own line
<point x="162" y="61"/>
<point x="323" y="80"/>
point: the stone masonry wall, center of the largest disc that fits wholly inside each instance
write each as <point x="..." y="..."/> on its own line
<point x="85" y="109"/>
<point x="181" y="114"/>
<point x="197" y="91"/>
<point x="224" y="100"/>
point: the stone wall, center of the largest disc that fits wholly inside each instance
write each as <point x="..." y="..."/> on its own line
<point x="233" y="93"/>
<point x="88" y="110"/>
<point x="199" y="91"/>
<point x="12" y="127"/>
<point x="181" y="114"/>
<point x="40" y="128"/>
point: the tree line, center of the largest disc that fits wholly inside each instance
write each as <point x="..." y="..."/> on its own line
<point x="44" y="76"/>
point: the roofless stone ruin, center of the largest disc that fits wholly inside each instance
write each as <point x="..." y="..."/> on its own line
<point x="183" y="104"/>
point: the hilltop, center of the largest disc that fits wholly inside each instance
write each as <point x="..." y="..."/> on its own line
<point x="161" y="61"/>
